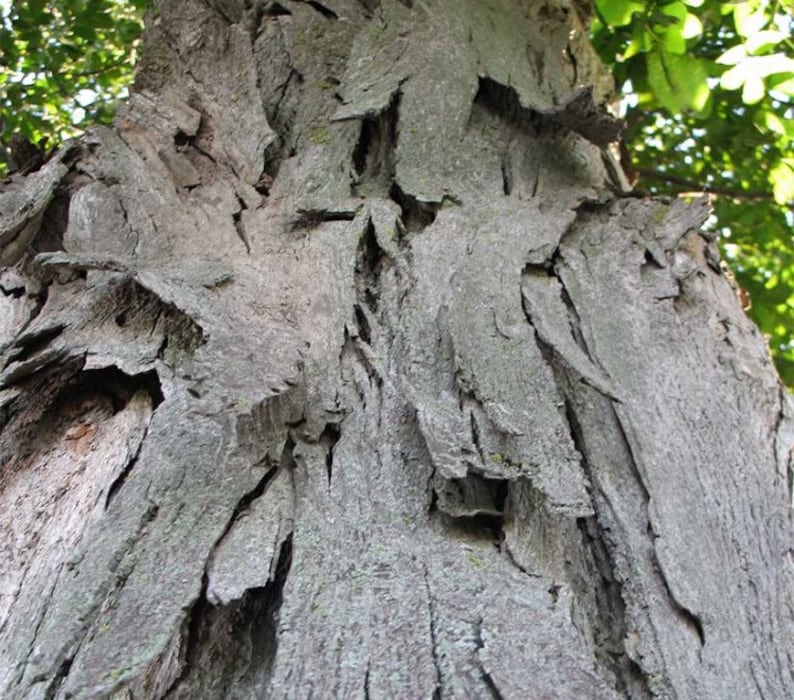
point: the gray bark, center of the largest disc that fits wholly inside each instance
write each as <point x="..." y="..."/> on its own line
<point x="341" y="368"/>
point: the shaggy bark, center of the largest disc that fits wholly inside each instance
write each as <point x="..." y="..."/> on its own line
<point x="340" y="368"/>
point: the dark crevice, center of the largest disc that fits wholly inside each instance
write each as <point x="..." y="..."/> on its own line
<point x="162" y="349"/>
<point x="373" y="156"/>
<point x="474" y="506"/>
<point x="489" y="683"/>
<point x="118" y="482"/>
<point x="687" y="616"/>
<point x="610" y="604"/>
<point x="506" y="550"/>
<point x="138" y="311"/>
<point x="544" y="269"/>
<point x="370" y="260"/>
<point x="507" y="184"/>
<point x="275" y="9"/>
<point x="248" y="498"/>
<point x="60" y="677"/>
<point x="312" y="218"/>
<point x="610" y="628"/>
<point x="329" y="438"/>
<point x="364" y="332"/>
<point x="608" y="621"/>
<point x="326" y="12"/>
<point x="181" y="139"/>
<point x="29" y="344"/>
<point x="191" y="636"/>
<point x="416" y="215"/>
<point x="274" y="594"/>
<point x="248" y="626"/>
<point x="366" y="139"/>
<point x="118" y="386"/>
<point x="475" y="436"/>
<point x="431" y="610"/>
<point x="432" y="506"/>
<point x="787" y="467"/>
<point x="13" y="292"/>
<point x="23" y="418"/>
<point x="238" y="224"/>
<point x="55" y="220"/>
<point x="588" y="207"/>
<point x="479" y="644"/>
<point x="650" y="261"/>
<point x="504" y="102"/>
<point x="366" y="683"/>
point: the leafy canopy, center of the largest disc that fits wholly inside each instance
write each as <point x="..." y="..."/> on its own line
<point x="708" y="86"/>
<point x="64" y="64"/>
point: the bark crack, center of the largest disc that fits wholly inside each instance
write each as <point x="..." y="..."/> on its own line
<point x="689" y="618"/>
<point x="122" y="477"/>
<point x="431" y="610"/>
<point x="609" y="625"/>
<point x="318" y="7"/>
<point x="486" y="677"/>
<point x="238" y="224"/>
<point x="191" y="636"/>
<point x="329" y="437"/>
<point x="39" y="622"/>
<point x="783" y="451"/>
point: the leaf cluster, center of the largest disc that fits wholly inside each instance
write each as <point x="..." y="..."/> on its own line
<point x="709" y="91"/>
<point x="64" y="64"/>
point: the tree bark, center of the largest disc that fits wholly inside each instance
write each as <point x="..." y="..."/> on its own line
<point x="341" y="367"/>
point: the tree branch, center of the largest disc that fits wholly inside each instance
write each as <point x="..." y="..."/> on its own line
<point x="692" y="186"/>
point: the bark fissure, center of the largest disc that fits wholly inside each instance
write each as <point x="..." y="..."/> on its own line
<point x="487" y="679"/>
<point x="610" y="621"/>
<point x="191" y="635"/>
<point x="329" y="438"/>
<point x="416" y="215"/>
<point x="326" y="12"/>
<point x="431" y="615"/>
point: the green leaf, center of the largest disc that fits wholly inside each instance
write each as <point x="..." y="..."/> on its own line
<point x="753" y="90"/>
<point x="764" y="40"/>
<point x="618" y="13"/>
<point x="749" y="17"/>
<point x="782" y="179"/>
<point x="678" y="81"/>
<point x="733" y="55"/>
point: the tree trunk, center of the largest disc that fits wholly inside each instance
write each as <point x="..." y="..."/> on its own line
<point x="341" y="367"/>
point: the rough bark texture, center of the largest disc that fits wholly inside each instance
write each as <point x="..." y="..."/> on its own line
<point x="338" y="369"/>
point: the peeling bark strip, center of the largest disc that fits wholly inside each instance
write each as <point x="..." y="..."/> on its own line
<point x="344" y="374"/>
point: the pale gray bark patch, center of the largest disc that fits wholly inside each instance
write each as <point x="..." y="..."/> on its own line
<point x="22" y="205"/>
<point x="346" y="374"/>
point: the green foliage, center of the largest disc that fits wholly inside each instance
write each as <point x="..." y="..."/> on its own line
<point x="710" y="86"/>
<point x="64" y="64"/>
